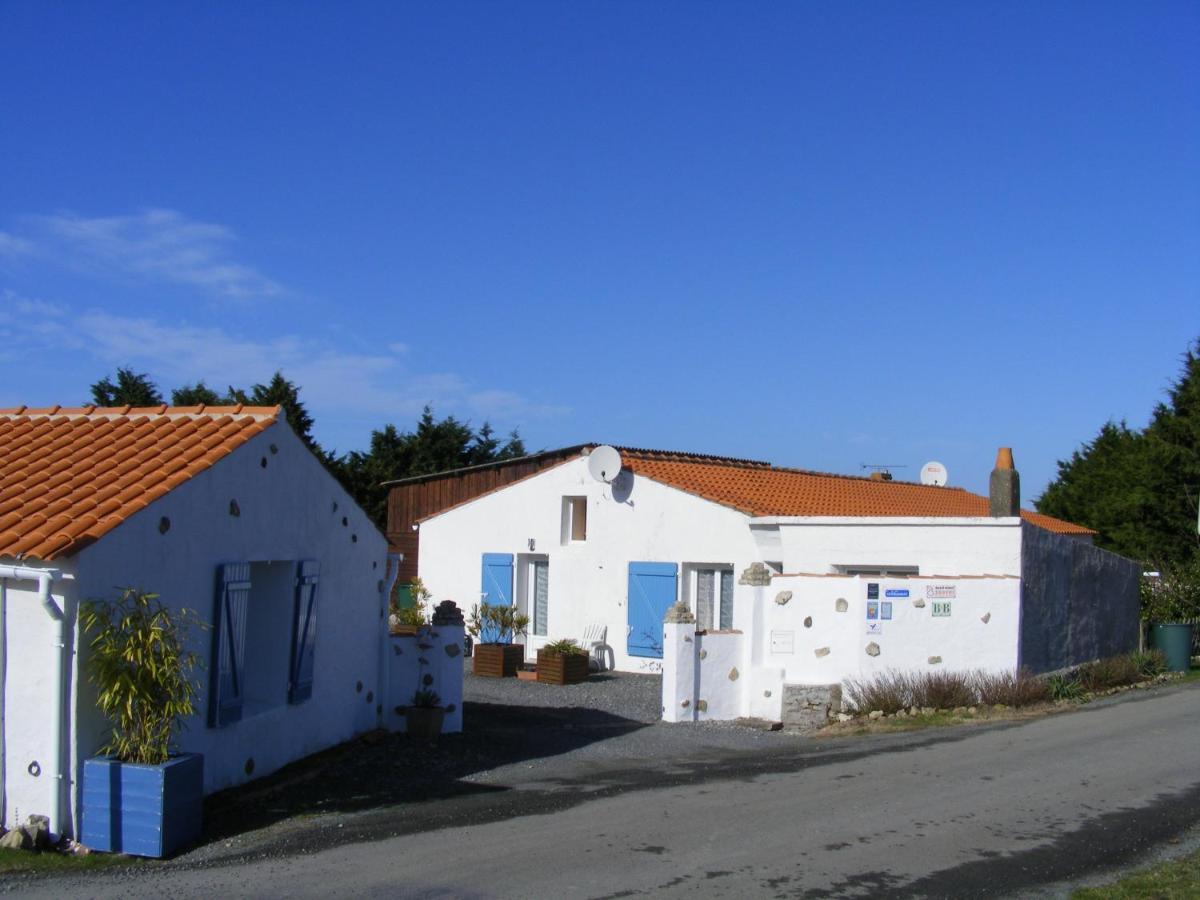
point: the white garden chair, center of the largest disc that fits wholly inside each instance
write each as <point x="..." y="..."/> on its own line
<point x="595" y="642"/>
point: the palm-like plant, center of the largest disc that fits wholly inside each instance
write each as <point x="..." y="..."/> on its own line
<point x="141" y="667"/>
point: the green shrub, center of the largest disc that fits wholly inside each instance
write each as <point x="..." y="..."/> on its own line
<point x="498" y="624"/>
<point x="141" y="668"/>
<point x="1174" y="596"/>
<point x="414" y="614"/>
<point x="425" y="698"/>
<point x="1150" y="663"/>
<point x="1064" y="686"/>
<point x="564" y="647"/>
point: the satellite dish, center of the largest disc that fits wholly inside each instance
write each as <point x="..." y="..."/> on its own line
<point x="604" y="463"/>
<point x="933" y="473"/>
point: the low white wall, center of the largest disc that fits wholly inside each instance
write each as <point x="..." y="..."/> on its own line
<point x="814" y="630"/>
<point x="432" y="658"/>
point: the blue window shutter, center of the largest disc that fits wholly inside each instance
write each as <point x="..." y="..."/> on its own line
<point x="496" y="586"/>
<point x="304" y="631"/>
<point x="229" y="644"/>
<point x="652" y="591"/>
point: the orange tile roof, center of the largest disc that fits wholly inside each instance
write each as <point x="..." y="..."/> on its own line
<point x="768" y="491"/>
<point x="68" y="475"/>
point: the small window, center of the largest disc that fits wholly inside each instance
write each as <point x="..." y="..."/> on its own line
<point x="710" y="590"/>
<point x="878" y="571"/>
<point x="574" y="520"/>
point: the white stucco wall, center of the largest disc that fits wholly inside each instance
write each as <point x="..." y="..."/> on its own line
<point x="290" y="509"/>
<point x="435" y="653"/>
<point x="806" y="640"/>
<point x="937" y="546"/>
<point x="649" y="522"/>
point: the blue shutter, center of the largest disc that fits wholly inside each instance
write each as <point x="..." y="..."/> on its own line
<point x="229" y="644"/>
<point x="304" y="631"/>
<point x="496" y="585"/>
<point x="652" y="591"/>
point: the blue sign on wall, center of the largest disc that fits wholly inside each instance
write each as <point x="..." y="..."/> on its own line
<point x="896" y="592"/>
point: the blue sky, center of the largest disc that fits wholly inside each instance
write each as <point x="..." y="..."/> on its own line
<point x="819" y="234"/>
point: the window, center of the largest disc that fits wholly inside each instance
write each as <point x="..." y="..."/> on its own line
<point x="878" y="571"/>
<point x="710" y="590"/>
<point x="264" y="638"/>
<point x="574" y="520"/>
<point x="533" y="589"/>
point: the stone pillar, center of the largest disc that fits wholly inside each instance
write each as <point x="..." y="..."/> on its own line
<point x="1004" y="490"/>
<point x="447" y="633"/>
<point x="679" y="665"/>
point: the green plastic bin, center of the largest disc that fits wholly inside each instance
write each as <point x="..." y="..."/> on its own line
<point x="1175" y="642"/>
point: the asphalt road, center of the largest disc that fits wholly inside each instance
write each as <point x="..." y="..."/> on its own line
<point x="994" y="811"/>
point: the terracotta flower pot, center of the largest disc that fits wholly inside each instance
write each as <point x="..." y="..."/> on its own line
<point x="424" y="723"/>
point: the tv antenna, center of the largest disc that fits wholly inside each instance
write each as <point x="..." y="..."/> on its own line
<point x="881" y="472"/>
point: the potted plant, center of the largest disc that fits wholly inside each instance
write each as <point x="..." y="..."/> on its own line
<point x="139" y="795"/>
<point x="424" y="716"/>
<point x="406" y="619"/>
<point x="494" y="628"/>
<point x="562" y="662"/>
<point x="1171" y="604"/>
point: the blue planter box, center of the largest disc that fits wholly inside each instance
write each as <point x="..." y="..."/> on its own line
<point x="140" y="809"/>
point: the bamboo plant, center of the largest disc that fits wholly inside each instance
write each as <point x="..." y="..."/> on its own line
<point x="142" y="668"/>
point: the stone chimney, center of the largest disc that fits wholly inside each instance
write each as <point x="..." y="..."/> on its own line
<point x="1004" y="494"/>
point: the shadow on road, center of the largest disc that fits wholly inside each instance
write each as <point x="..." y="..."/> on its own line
<point x="382" y="769"/>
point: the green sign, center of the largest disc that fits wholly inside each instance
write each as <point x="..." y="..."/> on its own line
<point x="941" y="607"/>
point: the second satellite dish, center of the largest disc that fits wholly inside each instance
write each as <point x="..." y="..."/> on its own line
<point x="604" y="463"/>
<point x="934" y="473"/>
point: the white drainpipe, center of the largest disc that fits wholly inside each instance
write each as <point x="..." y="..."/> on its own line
<point x="44" y="577"/>
<point x="385" y="643"/>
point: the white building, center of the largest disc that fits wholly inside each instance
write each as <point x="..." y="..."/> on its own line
<point x="572" y="551"/>
<point x="220" y="510"/>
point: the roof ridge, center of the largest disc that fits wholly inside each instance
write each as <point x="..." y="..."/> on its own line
<point x="163" y="409"/>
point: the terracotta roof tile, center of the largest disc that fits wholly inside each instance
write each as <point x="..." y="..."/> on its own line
<point x="759" y="490"/>
<point x="69" y="475"/>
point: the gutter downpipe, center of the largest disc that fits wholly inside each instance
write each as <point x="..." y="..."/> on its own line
<point x="44" y="577"/>
<point x="385" y="662"/>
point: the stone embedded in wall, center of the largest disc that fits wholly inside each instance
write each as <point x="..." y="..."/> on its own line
<point x="808" y="621"/>
<point x="734" y="674"/>
<point x="687" y="638"/>
<point x="841" y="605"/>
<point x="686" y="703"/>
<point x="679" y="613"/>
<point x="821" y="651"/>
<point x="702" y="705"/>
<point x="919" y="602"/>
<point x="766" y="693"/>
<point x="806" y="707"/>
<point x="704" y="654"/>
<point x="934" y="660"/>
<point x="783" y="597"/>
<point x="872" y="649"/>
<point x="758" y="575"/>
<point x="447" y="613"/>
<point x="452" y="650"/>
<point x="985" y="618"/>
<point x="234" y="509"/>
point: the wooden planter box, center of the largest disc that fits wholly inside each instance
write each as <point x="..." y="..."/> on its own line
<point x="497" y="660"/>
<point x="561" y="668"/>
<point x="140" y="809"/>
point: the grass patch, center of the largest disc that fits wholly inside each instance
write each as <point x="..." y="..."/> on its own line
<point x="27" y="861"/>
<point x="1173" y="880"/>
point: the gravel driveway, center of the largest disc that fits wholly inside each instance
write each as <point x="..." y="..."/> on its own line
<point x="518" y="736"/>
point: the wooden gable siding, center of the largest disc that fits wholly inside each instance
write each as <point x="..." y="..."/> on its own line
<point x="410" y="503"/>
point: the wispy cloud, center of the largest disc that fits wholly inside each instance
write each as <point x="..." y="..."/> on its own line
<point x="155" y="244"/>
<point x="335" y="384"/>
<point x="11" y="245"/>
